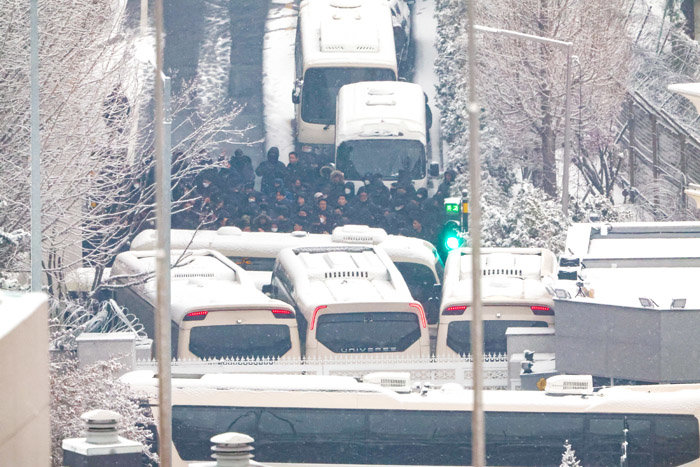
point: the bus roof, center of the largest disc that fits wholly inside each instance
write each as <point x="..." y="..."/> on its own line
<point x="232" y="241"/>
<point x="203" y="279"/>
<point x="303" y="390"/>
<point x="365" y="272"/>
<point x="347" y="33"/>
<point x="517" y="274"/>
<point x="380" y="109"/>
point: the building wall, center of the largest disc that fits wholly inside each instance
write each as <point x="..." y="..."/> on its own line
<point x="24" y="380"/>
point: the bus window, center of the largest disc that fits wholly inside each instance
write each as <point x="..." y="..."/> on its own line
<point x="368" y="332"/>
<point x="419" y="279"/>
<point x="675" y="439"/>
<point x="458" y="334"/>
<point x="604" y="438"/>
<point x="240" y="341"/>
<point x="396" y="154"/>
<point x="250" y="263"/>
<point x="321" y="86"/>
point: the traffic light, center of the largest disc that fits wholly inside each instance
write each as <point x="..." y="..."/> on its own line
<point x="450" y="237"/>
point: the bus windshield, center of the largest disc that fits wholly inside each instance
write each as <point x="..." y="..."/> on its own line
<point x="387" y="157"/>
<point x="458" y="334"/>
<point x="321" y="86"/>
<point x="368" y="332"/>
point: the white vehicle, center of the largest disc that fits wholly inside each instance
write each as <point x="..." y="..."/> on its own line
<point x="323" y="420"/>
<point x="401" y="20"/>
<point x="216" y="311"/>
<point x="350" y="300"/>
<point x="380" y="129"/>
<point x="516" y="291"/>
<point x="338" y="42"/>
<point x="416" y="259"/>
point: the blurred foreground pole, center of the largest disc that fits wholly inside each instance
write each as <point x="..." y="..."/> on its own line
<point x="35" y="148"/>
<point x="477" y="332"/>
<point x="162" y="156"/>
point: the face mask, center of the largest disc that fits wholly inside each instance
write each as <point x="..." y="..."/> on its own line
<point x="251" y="199"/>
<point x="274" y="229"/>
<point x="206" y="184"/>
<point x="347" y="191"/>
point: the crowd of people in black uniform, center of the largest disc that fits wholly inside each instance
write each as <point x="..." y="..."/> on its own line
<point x="306" y="195"/>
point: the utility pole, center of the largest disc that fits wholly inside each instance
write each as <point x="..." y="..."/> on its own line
<point x="163" y="161"/>
<point x="35" y="148"/>
<point x="477" y="331"/>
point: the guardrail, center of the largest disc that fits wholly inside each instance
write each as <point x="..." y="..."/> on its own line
<point x="435" y="370"/>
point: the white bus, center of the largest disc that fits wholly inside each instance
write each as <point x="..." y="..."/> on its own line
<point x="350" y="300"/>
<point x="416" y="259"/>
<point x="516" y="291"/>
<point x="337" y="42"/>
<point x="322" y="420"/>
<point x="380" y="129"/>
<point x="216" y="311"/>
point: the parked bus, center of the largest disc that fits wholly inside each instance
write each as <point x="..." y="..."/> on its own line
<point x="350" y="300"/>
<point x="416" y="259"/>
<point x="516" y="291"/>
<point x="337" y="42"/>
<point x="320" y="420"/>
<point x="215" y="309"/>
<point x="381" y="129"/>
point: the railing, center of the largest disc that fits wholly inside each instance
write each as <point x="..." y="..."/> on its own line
<point x="434" y="370"/>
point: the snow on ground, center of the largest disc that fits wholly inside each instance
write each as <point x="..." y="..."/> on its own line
<point x="214" y="60"/>
<point x="424" y="28"/>
<point x="278" y="76"/>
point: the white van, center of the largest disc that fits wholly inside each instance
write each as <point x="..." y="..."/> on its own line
<point x="337" y="42"/>
<point x="380" y="129"/>
<point x="416" y="259"/>
<point x="216" y="311"/>
<point x="350" y="300"/>
<point x="516" y="291"/>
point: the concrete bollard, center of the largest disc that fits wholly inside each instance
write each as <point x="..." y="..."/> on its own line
<point x="102" y="445"/>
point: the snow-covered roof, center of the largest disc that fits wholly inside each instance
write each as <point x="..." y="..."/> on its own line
<point x="380" y="109"/>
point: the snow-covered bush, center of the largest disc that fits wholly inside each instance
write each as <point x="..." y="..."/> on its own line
<point x="568" y="458"/>
<point x="75" y="391"/>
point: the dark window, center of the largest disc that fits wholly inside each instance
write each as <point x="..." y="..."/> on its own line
<point x="240" y="341"/>
<point x="419" y="278"/>
<point x="321" y="86"/>
<point x="530" y="438"/>
<point x="368" y="332"/>
<point x="384" y="156"/>
<point x="604" y="439"/>
<point x="458" y="337"/>
<point x="675" y="439"/>
<point x="253" y="264"/>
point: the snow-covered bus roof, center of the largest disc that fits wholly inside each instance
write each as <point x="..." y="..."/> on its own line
<point x="201" y="279"/>
<point x="512" y="273"/>
<point x="232" y="241"/>
<point x="380" y="110"/>
<point x="347" y="33"/>
<point x="343" y="391"/>
<point x="365" y="272"/>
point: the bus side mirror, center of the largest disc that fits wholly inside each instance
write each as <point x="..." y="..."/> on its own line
<point x="267" y="289"/>
<point x="296" y="92"/>
<point x="434" y="169"/>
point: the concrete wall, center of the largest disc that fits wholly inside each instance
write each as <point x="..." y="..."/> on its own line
<point x="642" y="344"/>
<point x="24" y="380"/>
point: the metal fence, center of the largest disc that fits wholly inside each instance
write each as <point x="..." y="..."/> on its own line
<point x="662" y="158"/>
<point x="435" y="370"/>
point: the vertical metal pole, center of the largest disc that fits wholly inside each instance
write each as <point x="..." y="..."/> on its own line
<point x="35" y="148"/>
<point x="163" y="250"/>
<point x="567" y="136"/>
<point x="144" y="17"/>
<point x="477" y="332"/>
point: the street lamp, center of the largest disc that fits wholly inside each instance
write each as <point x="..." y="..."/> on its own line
<point x="567" y="110"/>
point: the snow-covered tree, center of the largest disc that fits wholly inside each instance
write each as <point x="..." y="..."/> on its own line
<point x="97" y="134"/>
<point x="75" y="391"/>
<point x="568" y="458"/>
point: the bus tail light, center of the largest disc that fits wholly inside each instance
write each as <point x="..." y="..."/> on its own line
<point x="283" y="314"/>
<point x="313" y="318"/>
<point x="421" y="313"/>
<point x="454" y="310"/>
<point x="542" y="310"/>
<point x="196" y="315"/>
